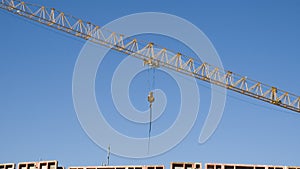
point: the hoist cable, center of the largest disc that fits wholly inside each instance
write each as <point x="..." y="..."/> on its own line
<point x="150" y="127"/>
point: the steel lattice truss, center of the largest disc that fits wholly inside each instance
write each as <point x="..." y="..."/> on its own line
<point x="152" y="54"/>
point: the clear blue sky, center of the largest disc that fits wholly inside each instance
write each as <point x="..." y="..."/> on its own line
<point x="259" y="39"/>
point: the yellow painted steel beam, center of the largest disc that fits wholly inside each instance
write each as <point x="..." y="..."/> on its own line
<point x="152" y="54"/>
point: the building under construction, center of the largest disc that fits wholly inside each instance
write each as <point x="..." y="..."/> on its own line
<point x="173" y="165"/>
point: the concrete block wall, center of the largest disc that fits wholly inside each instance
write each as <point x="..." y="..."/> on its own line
<point x="7" y="166"/>
<point x="241" y="166"/>
<point x="173" y="165"/>
<point x="185" y="165"/>
<point x="120" y="167"/>
<point x="39" y="165"/>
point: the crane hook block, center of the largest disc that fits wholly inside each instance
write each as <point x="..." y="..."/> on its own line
<point x="151" y="97"/>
